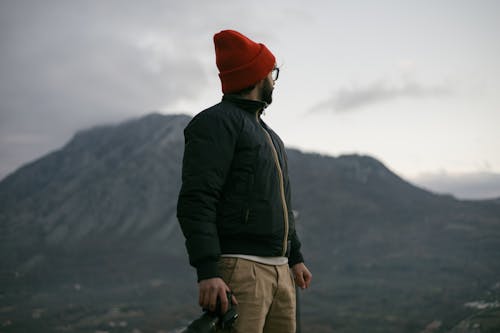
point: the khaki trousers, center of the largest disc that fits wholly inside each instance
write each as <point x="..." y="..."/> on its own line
<point x="265" y="295"/>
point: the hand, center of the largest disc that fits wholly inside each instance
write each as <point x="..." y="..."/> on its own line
<point x="302" y="275"/>
<point x="210" y="290"/>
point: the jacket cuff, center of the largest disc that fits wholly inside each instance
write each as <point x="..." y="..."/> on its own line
<point x="207" y="270"/>
<point x="295" y="258"/>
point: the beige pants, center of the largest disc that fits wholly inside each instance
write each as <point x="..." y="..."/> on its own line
<point x="265" y="295"/>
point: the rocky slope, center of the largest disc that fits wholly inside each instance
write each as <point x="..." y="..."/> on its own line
<point x="88" y="237"/>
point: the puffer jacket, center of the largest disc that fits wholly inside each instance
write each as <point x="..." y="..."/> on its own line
<point x="235" y="195"/>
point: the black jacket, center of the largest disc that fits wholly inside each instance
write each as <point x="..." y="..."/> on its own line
<point x="235" y="195"/>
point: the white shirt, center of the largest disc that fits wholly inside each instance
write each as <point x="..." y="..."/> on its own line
<point x="274" y="261"/>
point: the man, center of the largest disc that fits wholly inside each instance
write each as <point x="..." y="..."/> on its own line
<point x="234" y="205"/>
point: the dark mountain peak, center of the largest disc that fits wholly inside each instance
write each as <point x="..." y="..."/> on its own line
<point x="133" y="131"/>
<point x="351" y="167"/>
<point x="365" y="166"/>
<point x="360" y="159"/>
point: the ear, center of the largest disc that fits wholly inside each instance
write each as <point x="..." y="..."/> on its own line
<point x="260" y="83"/>
<point x="258" y="86"/>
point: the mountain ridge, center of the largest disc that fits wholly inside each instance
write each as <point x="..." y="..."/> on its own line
<point x="100" y="212"/>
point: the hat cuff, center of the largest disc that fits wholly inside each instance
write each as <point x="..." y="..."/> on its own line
<point x="245" y="76"/>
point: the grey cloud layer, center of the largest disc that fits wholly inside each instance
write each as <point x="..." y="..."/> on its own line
<point x="347" y="99"/>
<point x="481" y="185"/>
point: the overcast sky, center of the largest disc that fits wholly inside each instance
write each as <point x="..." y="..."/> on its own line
<point x="412" y="83"/>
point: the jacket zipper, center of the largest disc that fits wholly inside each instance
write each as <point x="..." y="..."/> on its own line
<point x="282" y="185"/>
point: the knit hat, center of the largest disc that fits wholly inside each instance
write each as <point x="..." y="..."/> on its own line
<point x="241" y="62"/>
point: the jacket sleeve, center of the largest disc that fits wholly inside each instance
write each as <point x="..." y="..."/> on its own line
<point x="209" y="147"/>
<point x="295" y="253"/>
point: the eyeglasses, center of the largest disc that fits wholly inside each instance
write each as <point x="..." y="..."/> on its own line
<point x="275" y="73"/>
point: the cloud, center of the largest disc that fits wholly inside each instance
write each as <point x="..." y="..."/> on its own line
<point x="358" y="97"/>
<point x="76" y="59"/>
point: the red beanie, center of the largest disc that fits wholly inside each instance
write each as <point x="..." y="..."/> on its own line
<point x="241" y="62"/>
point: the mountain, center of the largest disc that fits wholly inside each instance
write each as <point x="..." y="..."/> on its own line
<point x="89" y="241"/>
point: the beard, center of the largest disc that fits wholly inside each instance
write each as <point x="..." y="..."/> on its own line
<point x="267" y="92"/>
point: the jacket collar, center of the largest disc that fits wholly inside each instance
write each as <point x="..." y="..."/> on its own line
<point x="245" y="104"/>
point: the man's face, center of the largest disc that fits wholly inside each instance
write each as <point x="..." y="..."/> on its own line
<point x="267" y="89"/>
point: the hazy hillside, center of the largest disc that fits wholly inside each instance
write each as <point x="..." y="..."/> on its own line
<point x="89" y="241"/>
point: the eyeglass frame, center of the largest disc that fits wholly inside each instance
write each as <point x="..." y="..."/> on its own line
<point x="275" y="73"/>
